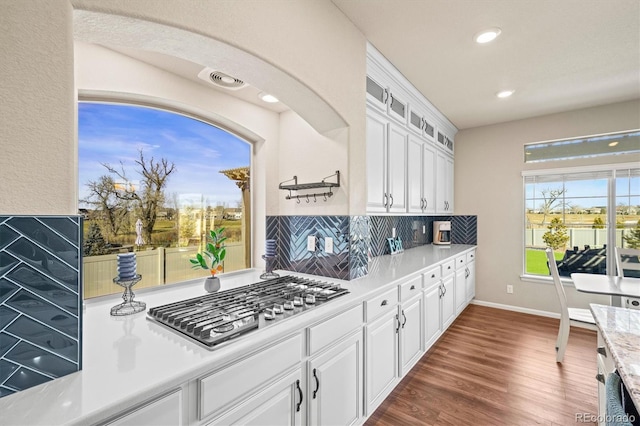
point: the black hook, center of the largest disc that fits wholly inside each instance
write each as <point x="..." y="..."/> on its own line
<point x="314" y="198"/>
<point x="307" y="198"/>
<point x="298" y="198"/>
<point x="325" y="196"/>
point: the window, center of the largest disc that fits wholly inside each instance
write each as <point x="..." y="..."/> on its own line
<point x="584" y="147"/>
<point x="155" y="182"/>
<point x="582" y="214"/>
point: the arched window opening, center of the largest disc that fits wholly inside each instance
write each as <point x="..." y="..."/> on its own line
<point x="155" y="183"/>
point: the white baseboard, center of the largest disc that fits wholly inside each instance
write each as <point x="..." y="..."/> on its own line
<point x="529" y="311"/>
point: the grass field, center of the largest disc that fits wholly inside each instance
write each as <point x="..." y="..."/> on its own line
<point x="534" y="220"/>
<point x="537" y="261"/>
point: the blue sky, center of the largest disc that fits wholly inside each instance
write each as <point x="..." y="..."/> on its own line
<point x="109" y="133"/>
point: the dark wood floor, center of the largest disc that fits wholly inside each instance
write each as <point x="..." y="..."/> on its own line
<point x="496" y="367"/>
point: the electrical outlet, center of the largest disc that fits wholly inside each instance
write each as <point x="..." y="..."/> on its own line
<point x="393" y="232"/>
<point x="311" y="243"/>
<point x="424" y="229"/>
<point x="328" y="245"/>
<point x="509" y="289"/>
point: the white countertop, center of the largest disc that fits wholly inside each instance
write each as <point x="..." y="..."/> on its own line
<point x="620" y="328"/>
<point x="128" y="360"/>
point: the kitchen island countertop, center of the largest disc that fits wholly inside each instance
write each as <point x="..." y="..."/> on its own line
<point x="129" y="360"/>
<point x="620" y="328"/>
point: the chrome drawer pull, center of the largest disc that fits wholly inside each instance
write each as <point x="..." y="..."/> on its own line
<point x="384" y="302"/>
<point x="602" y="351"/>
<point x="413" y="287"/>
<point x="600" y="378"/>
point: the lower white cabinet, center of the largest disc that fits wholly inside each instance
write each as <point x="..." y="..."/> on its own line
<point x="432" y="314"/>
<point x="448" y="302"/>
<point x="471" y="280"/>
<point x="382" y="358"/>
<point x="411" y="333"/>
<point x="606" y="366"/>
<point x="279" y="404"/>
<point x="461" y="289"/>
<point x="335" y="384"/>
<point x="166" y="410"/>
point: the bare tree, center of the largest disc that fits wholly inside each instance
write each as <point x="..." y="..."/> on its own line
<point x="113" y="211"/>
<point x="552" y="199"/>
<point x="150" y="196"/>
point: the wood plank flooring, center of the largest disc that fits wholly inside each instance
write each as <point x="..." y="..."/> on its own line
<point x="497" y="367"/>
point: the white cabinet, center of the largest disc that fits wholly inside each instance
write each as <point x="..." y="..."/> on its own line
<point x="382" y="358"/>
<point x="386" y="168"/>
<point x="461" y="289"/>
<point x="421" y="180"/>
<point x="471" y="276"/>
<point x="279" y="404"/>
<point x="444" y="182"/>
<point x="166" y="410"/>
<point x="432" y="314"/>
<point x="411" y="333"/>
<point x="335" y="384"/>
<point x="605" y="366"/>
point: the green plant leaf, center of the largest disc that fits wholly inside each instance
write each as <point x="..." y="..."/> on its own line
<point x="223" y="254"/>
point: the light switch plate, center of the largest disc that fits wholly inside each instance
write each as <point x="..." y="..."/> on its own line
<point x="311" y="243"/>
<point x="328" y="245"/>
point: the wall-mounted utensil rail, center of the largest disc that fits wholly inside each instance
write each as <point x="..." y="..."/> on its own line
<point x="295" y="186"/>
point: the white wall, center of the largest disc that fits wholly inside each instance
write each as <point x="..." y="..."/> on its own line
<point x="488" y="183"/>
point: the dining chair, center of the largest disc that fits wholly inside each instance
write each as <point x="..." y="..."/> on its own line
<point x="628" y="265"/>
<point x="567" y="314"/>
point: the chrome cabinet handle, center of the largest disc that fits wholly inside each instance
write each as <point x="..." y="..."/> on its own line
<point x="301" y="396"/>
<point x="386" y="200"/>
<point x="391" y="197"/>
<point x="315" y="376"/>
<point x="384" y="302"/>
<point x="467" y="272"/>
<point x="405" y="319"/>
<point x="385" y="96"/>
<point x="398" y="322"/>
<point x="600" y="378"/>
<point x="602" y="351"/>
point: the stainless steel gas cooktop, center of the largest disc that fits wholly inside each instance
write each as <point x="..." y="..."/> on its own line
<point x="217" y="317"/>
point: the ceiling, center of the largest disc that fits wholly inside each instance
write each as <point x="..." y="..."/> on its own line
<point x="558" y="55"/>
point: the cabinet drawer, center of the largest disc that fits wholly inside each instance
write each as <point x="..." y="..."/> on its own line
<point x="229" y="385"/>
<point x="432" y="276"/>
<point x="448" y="267"/>
<point x="461" y="261"/>
<point x="471" y="256"/>
<point x="410" y="288"/>
<point x="333" y="329"/>
<point x="164" y="410"/>
<point x="383" y="303"/>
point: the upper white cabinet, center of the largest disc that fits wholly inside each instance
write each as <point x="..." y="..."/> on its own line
<point x="386" y="168"/>
<point x="444" y="183"/>
<point x="404" y="133"/>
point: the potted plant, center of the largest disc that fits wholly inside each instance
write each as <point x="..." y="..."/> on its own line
<point x="211" y="259"/>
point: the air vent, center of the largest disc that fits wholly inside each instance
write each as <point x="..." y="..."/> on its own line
<point x="221" y="79"/>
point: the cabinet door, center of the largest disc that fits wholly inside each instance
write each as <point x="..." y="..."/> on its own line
<point x="335" y="384"/>
<point x="471" y="281"/>
<point x="397" y="169"/>
<point x="382" y="358"/>
<point x="376" y="162"/>
<point x="279" y="404"/>
<point x="460" y="289"/>
<point x="415" y="201"/>
<point x="411" y="333"/>
<point x="444" y="183"/>
<point x="377" y="94"/>
<point x="448" y="302"/>
<point x="429" y="178"/>
<point x="432" y="307"/>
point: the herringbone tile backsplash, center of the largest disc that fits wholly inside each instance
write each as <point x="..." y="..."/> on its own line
<point x="40" y="300"/>
<point x="355" y="240"/>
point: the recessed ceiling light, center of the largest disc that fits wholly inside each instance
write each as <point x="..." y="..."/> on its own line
<point x="268" y="98"/>
<point x="614" y="143"/>
<point x="505" y="93"/>
<point x="485" y="36"/>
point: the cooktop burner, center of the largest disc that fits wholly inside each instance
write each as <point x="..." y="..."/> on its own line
<point x="216" y="317"/>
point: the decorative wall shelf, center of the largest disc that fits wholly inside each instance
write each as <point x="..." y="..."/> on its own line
<point x="295" y="186"/>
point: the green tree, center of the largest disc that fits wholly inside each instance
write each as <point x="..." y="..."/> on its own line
<point x="598" y="223"/>
<point x="94" y="244"/>
<point x="187" y="225"/>
<point x="633" y="239"/>
<point x="556" y="237"/>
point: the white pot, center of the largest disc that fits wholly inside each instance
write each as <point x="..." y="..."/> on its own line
<point x="212" y="284"/>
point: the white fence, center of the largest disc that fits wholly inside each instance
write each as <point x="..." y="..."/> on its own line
<point x="577" y="237"/>
<point x="157" y="267"/>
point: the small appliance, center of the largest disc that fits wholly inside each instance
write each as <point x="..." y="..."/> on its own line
<point x="441" y="232"/>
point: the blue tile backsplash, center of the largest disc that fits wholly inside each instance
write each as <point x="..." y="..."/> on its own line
<point x="356" y="239"/>
<point x="40" y="299"/>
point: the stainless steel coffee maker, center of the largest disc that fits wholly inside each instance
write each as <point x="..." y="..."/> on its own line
<point x="441" y="232"/>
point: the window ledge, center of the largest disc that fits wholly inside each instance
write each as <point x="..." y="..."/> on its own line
<point x="544" y="280"/>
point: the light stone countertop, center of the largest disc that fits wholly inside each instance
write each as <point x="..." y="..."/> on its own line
<point x="129" y="360"/>
<point x="620" y="328"/>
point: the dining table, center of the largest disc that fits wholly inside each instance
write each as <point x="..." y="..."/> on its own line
<point x="616" y="287"/>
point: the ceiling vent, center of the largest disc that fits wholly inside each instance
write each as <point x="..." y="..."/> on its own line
<point x="221" y="79"/>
